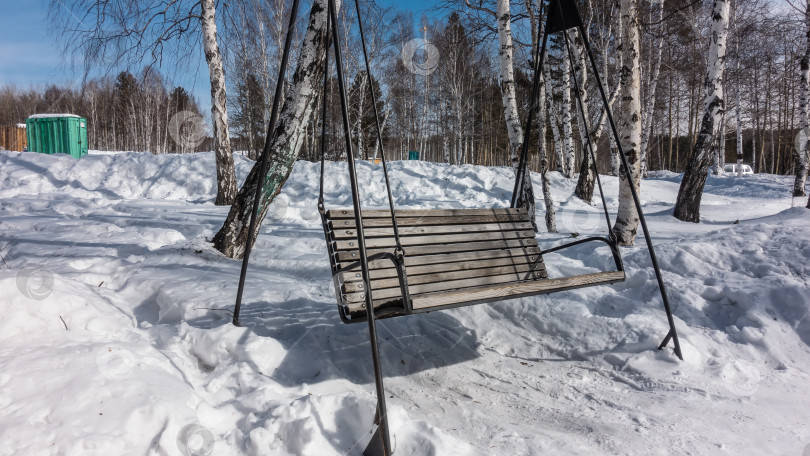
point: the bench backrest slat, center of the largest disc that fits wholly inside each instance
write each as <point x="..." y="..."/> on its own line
<point x="446" y="250"/>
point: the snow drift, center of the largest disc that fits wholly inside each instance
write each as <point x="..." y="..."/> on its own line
<point x="116" y="339"/>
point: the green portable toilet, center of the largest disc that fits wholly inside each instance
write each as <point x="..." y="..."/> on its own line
<point x="57" y="134"/>
<point x="413" y="155"/>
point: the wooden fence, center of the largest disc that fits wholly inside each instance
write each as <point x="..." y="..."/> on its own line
<point x="12" y="137"/>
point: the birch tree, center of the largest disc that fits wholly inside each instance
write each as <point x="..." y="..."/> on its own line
<point x="509" y="97"/>
<point x="555" y="121"/>
<point x="738" y="108"/>
<point x="538" y="30"/>
<point x="568" y="132"/>
<point x="131" y="33"/>
<point x="226" y="176"/>
<point x="801" y="151"/>
<point x="287" y="139"/>
<point x="550" y="217"/>
<point x="587" y="180"/>
<point x="629" y="123"/>
<point x="655" y="73"/>
<point x="687" y="206"/>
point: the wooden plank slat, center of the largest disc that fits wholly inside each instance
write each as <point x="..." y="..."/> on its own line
<point x="436" y="229"/>
<point x="518" y="272"/>
<point x="530" y="244"/>
<point x="384" y="213"/>
<point x="435" y="239"/>
<point x="422" y="221"/>
<point x="415" y="290"/>
<point x="449" y="261"/>
<point x="498" y="292"/>
<point x="448" y="264"/>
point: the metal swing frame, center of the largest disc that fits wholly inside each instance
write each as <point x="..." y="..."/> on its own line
<point x="562" y="16"/>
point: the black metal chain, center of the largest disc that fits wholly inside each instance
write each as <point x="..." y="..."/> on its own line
<point x="521" y="171"/>
<point x="585" y="123"/>
<point x="321" y="208"/>
<point x="399" y="249"/>
<point x="254" y="213"/>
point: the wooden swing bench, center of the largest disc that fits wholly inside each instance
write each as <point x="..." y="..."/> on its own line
<point x="453" y="258"/>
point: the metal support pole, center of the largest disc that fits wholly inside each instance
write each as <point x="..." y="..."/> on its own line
<point x="673" y="334"/>
<point x="521" y="171"/>
<point x="585" y="123"/>
<point x="361" y="241"/>
<point x="254" y="213"/>
<point x="399" y="249"/>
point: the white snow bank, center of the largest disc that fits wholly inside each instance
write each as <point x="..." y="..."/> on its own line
<point x="112" y="177"/>
<point x="115" y="335"/>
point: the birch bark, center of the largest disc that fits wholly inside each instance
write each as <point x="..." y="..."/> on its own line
<point x="226" y="174"/>
<point x="687" y="206"/>
<point x="540" y="103"/>
<point x="802" y="154"/>
<point x="737" y="112"/>
<point x="587" y="180"/>
<point x="509" y="98"/>
<point x="629" y="123"/>
<point x="568" y="135"/>
<point x="555" y="125"/>
<point x="287" y="138"/>
<point x="649" y="105"/>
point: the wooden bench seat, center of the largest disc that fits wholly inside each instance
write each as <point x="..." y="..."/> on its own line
<point x="453" y="257"/>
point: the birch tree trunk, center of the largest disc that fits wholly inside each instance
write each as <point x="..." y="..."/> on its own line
<point x="226" y="174"/>
<point x="509" y="97"/>
<point x="687" y="206"/>
<point x="551" y="213"/>
<point x="755" y="123"/>
<point x="568" y="135"/>
<point x="555" y="126"/>
<point x="720" y="155"/>
<point x="587" y="178"/>
<point x="737" y="112"/>
<point x="649" y="105"/>
<point x="377" y="145"/>
<point x="585" y="182"/>
<point x="540" y="103"/>
<point x="615" y="161"/>
<point x="629" y="123"/>
<point x="802" y="154"/>
<point x="287" y="138"/>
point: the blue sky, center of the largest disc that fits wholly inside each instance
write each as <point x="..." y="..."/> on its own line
<point x="29" y="57"/>
<point x="26" y="55"/>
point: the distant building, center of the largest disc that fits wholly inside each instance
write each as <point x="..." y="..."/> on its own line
<point x="57" y="134"/>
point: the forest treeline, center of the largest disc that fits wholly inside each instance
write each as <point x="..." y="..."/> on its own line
<point x="125" y="112"/>
<point x="441" y="93"/>
<point x="691" y="83"/>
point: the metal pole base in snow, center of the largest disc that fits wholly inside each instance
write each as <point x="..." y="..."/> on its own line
<point x="380" y="443"/>
<point x="564" y="15"/>
<point x="375" y="445"/>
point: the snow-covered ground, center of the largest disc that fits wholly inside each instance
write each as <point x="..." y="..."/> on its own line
<point x="115" y="335"/>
